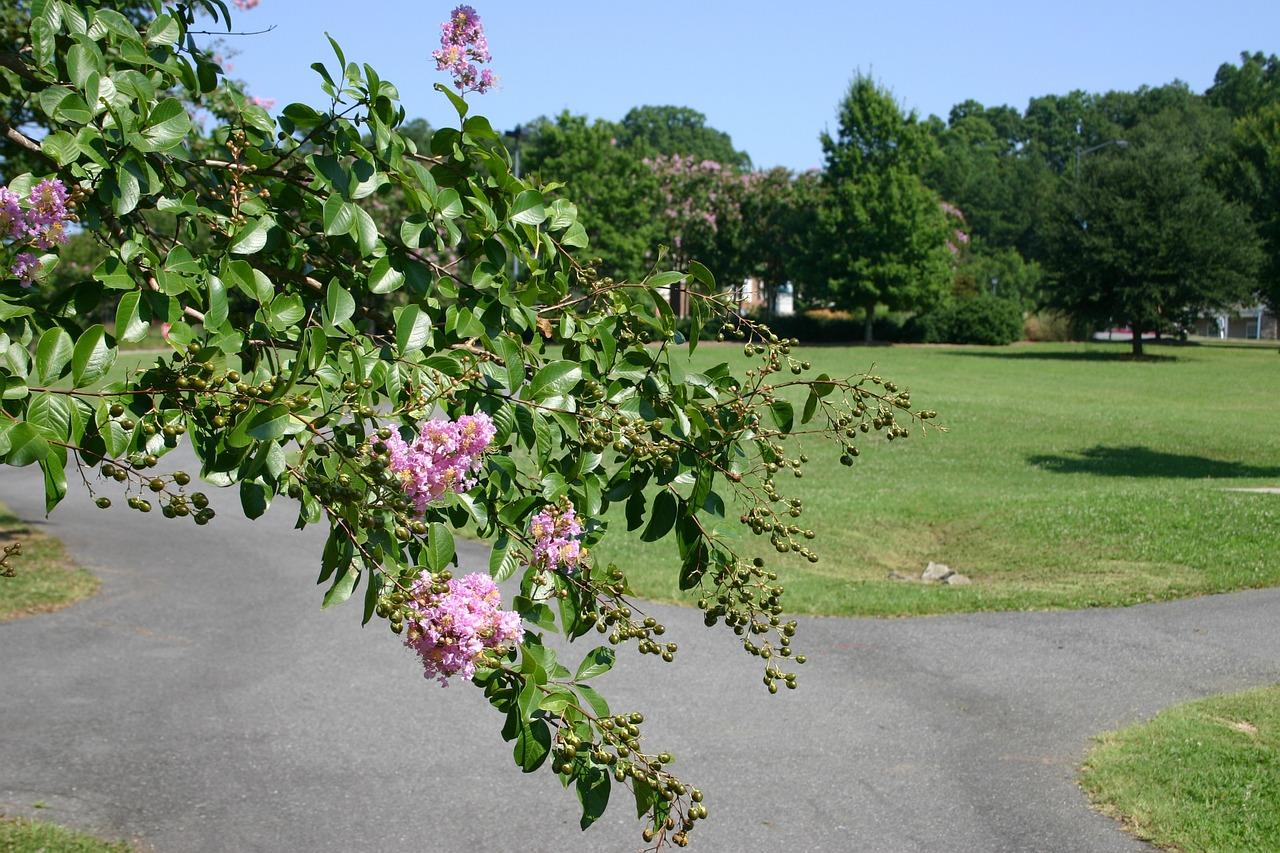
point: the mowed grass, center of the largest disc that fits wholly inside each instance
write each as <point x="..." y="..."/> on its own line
<point x="18" y="835"/>
<point x="1204" y="776"/>
<point x="1071" y="476"/>
<point x="45" y="578"/>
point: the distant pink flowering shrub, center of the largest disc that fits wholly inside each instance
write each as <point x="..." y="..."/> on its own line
<point x="555" y="532"/>
<point x="443" y="457"/>
<point x="246" y="5"/>
<point x="449" y="630"/>
<point x="265" y="103"/>
<point x="462" y="45"/>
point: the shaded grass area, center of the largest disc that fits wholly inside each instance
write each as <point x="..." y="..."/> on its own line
<point x="45" y="578"/>
<point x="19" y="835"/>
<point x="1203" y="776"/>
<point x="1071" y="476"/>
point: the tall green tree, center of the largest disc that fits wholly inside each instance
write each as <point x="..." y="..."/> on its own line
<point x="1145" y="239"/>
<point x="615" y="190"/>
<point x="1250" y="172"/>
<point x="1247" y="87"/>
<point x="883" y="233"/>
<point x="670" y="131"/>
<point x="779" y="211"/>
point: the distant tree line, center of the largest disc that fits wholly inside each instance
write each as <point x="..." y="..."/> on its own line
<point x="1142" y="209"/>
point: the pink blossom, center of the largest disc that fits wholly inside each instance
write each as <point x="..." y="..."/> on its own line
<point x="449" y="630"/>
<point x="462" y="45"/>
<point x="46" y="215"/>
<point x="13" y="222"/>
<point x="265" y="103"/>
<point x="24" y="268"/>
<point x="556" y="532"/>
<point x="443" y="457"/>
<point x="246" y="5"/>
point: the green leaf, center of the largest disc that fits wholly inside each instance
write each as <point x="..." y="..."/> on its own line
<point x="528" y="208"/>
<point x="783" y="414"/>
<point x="129" y="323"/>
<point x="51" y="414"/>
<point x="270" y="423"/>
<point x="384" y="278"/>
<point x="252" y="236"/>
<point x="255" y="497"/>
<point x="440" y="548"/>
<point x="503" y="560"/>
<point x="449" y="204"/>
<point x="163" y="29"/>
<point x="113" y="273"/>
<point x="556" y="379"/>
<point x="218" y="308"/>
<point x="55" y="480"/>
<point x="26" y="445"/>
<point x="339" y="215"/>
<point x="126" y="192"/>
<point x="593" y="792"/>
<point x="662" y="517"/>
<point x="597" y="662"/>
<point x="593" y="699"/>
<point x="286" y="311"/>
<point x="533" y="743"/>
<point x="342" y="587"/>
<point x="52" y="354"/>
<point x="91" y="358"/>
<point x="338" y="303"/>
<point x="666" y="279"/>
<point x="413" y="328"/>
<point x="810" y="407"/>
<point x="167" y="125"/>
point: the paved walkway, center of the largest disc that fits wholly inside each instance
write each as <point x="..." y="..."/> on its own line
<point x="203" y="702"/>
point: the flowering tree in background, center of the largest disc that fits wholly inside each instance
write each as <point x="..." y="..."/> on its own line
<point x="397" y="383"/>
<point x="700" y="211"/>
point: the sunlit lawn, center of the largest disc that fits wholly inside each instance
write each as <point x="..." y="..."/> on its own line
<point x="1070" y="477"/>
<point x="1201" y="776"/>
<point x="44" y="576"/>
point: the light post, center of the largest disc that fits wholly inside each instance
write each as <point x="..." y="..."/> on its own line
<point x="1080" y="152"/>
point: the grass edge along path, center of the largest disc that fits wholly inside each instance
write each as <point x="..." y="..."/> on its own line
<point x="1200" y="776"/>
<point x="21" y="835"/>
<point x="45" y="578"/>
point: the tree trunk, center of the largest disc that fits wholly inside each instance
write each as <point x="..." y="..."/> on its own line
<point x="869" y="328"/>
<point x="1137" y="341"/>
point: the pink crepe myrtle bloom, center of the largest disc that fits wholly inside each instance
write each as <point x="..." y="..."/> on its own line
<point x="443" y="457"/>
<point x="463" y="46"/>
<point x="449" y="630"/>
<point x="556" y="534"/>
<point x="24" y="268"/>
<point x="265" y="103"/>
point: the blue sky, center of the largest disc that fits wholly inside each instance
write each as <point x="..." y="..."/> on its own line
<point x="770" y="74"/>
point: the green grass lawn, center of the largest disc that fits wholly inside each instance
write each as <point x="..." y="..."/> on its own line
<point x="18" y="835"/>
<point x="1071" y="477"/>
<point x="1204" y="776"/>
<point x="45" y="577"/>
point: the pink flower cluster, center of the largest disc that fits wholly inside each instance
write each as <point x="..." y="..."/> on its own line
<point x="448" y="630"/>
<point x="959" y="237"/>
<point x="462" y="45"/>
<point x="265" y="103"/>
<point x="555" y="532"/>
<point x="246" y="5"/>
<point x="42" y="223"/>
<point x="443" y="457"/>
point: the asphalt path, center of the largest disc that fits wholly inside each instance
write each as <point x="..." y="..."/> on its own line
<point x="203" y="702"/>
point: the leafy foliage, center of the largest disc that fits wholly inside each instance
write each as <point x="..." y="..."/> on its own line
<point x="308" y="335"/>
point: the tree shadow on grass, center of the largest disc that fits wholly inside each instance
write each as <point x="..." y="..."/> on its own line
<point x="1145" y="462"/>
<point x="1031" y="354"/>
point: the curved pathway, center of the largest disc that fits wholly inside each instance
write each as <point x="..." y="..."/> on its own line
<point x="204" y="702"/>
